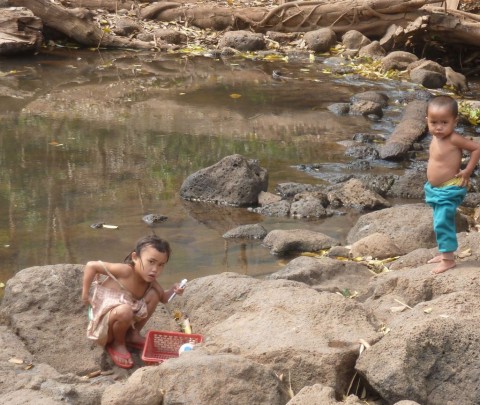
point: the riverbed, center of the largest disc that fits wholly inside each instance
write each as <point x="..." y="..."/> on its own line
<point x="90" y="137"/>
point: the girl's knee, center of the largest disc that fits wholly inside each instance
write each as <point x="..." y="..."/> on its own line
<point x="122" y="313"/>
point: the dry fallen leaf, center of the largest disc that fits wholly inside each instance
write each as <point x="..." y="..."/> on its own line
<point x="465" y="253"/>
<point x="428" y="310"/>
<point x="235" y="95"/>
<point x="14" y="360"/>
<point x="398" y="309"/>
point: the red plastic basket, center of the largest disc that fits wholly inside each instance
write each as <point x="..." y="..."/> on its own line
<point x="163" y="345"/>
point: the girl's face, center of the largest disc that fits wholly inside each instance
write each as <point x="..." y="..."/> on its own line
<point x="441" y="121"/>
<point x="150" y="263"/>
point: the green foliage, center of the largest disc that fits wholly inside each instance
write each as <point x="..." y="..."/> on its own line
<point x="471" y="113"/>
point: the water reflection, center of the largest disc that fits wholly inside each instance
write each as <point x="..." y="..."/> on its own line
<point x="109" y="137"/>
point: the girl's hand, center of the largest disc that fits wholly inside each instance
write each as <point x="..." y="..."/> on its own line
<point x="85" y="300"/>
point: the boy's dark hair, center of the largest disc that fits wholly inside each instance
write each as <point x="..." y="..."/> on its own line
<point x="151" y="240"/>
<point x="444" y="101"/>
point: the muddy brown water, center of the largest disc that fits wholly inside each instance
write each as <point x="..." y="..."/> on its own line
<point x="91" y="137"/>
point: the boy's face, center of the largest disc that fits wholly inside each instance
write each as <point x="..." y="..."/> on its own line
<point x="441" y="122"/>
<point x="150" y="263"/>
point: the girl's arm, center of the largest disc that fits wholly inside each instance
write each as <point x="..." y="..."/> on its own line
<point x="92" y="268"/>
<point x="165" y="295"/>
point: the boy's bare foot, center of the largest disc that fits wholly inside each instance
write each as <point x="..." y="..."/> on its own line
<point x="445" y="264"/>
<point x="436" y="259"/>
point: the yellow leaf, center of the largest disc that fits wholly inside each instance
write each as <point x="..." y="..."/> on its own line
<point x="235" y="95"/>
<point x="14" y="360"/>
<point x="2" y="285"/>
<point x="428" y="310"/>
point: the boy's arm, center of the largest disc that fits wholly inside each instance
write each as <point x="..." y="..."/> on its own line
<point x="474" y="149"/>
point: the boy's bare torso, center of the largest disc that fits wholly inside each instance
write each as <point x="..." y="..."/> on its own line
<point x="444" y="161"/>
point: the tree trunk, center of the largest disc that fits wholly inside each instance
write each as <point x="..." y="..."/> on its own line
<point x="20" y="31"/>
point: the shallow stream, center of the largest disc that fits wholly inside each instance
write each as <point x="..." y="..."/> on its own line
<point x="90" y="137"/>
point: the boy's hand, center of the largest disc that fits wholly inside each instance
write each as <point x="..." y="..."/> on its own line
<point x="177" y="289"/>
<point x="465" y="176"/>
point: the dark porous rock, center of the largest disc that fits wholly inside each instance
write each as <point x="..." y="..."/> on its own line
<point x="379" y="183"/>
<point x="354" y="40"/>
<point x="339" y="108"/>
<point x="354" y="194"/>
<point x="288" y="190"/>
<point x="472" y="200"/>
<point x="318" y="195"/>
<point x="409" y="225"/>
<point x="235" y="180"/>
<point x="362" y="152"/>
<point x="364" y="107"/>
<point x="253" y="231"/>
<point x="398" y="60"/>
<point x="320" y="40"/>
<point x="427" y="78"/>
<point x="367" y="138"/>
<point x="359" y="165"/>
<point x="152" y="219"/>
<point x="436" y="341"/>
<point x="170" y="36"/>
<point x="373" y="51"/>
<point x="374" y="96"/>
<point x="326" y="274"/>
<point x="456" y="80"/>
<point x="242" y="41"/>
<point x="409" y="185"/>
<point x="276" y="209"/>
<point x="283" y="242"/>
<point x="308" y="207"/>
<point x="126" y="26"/>
<point x="408" y="96"/>
<point x="188" y="379"/>
<point x="377" y="245"/>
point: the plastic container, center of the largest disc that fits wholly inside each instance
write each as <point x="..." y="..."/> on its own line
<point x="163" y="345"/>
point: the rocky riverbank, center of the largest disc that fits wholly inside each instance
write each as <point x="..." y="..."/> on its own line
<point x="363" y="321"/>
<point x="337" y="324"/>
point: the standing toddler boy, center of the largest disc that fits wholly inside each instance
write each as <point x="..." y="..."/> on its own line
<point x="447" y="182"/>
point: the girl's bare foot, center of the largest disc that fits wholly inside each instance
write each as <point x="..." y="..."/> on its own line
<point x="436" y="259"/>
<point x="445" y="264"/>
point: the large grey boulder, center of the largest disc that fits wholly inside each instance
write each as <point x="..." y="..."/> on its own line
<point x="253" y="231"/>
<point x="409" y="226"/>
<point x="320" y="40"/>
<point x="281" y="242"/>
<point x="398" y="60"/>
<point x="326" y="274"/>
<point x="354" y="194"/>
<point x="298" y="331"/>
<point x="231" y="379"/>
<point x="354" y="40"/>
<point x="430" y="354"/>
<point x="242" y="41"/>
<point x="235" y="180"/>
<point x="376" y="245"/>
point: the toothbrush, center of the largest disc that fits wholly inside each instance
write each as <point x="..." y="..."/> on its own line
<point x="183" y="283"/>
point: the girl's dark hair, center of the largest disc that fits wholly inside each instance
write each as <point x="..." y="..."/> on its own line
<point x="151" y="240"/>
<point x="444" y="101"/>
